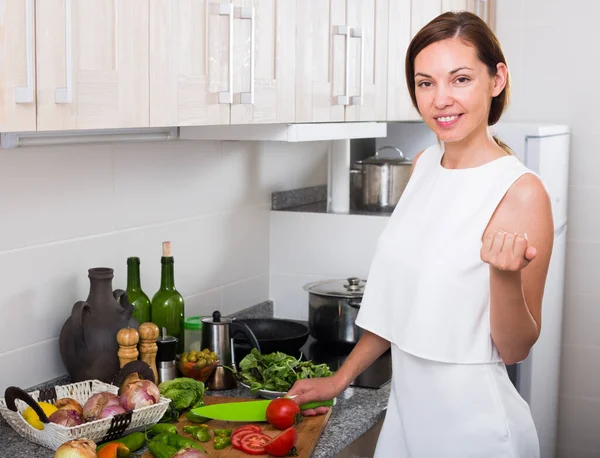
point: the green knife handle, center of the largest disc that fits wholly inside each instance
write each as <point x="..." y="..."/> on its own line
<point x="314" y="405"/>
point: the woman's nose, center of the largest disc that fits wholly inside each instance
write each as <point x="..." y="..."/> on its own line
<point x="443" y="97"/>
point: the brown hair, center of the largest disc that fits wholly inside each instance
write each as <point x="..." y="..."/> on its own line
<point x="473" y="30"/>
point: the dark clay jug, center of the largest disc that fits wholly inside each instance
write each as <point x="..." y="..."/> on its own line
<point x="88" y="340"/>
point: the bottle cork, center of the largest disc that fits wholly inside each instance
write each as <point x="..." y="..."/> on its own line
<point x="166" y="249"/>
<point x="148" y="348"/>
<point x="128" y="339"/>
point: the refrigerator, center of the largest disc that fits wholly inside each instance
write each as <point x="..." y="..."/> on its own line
<point x="545" y="149"/>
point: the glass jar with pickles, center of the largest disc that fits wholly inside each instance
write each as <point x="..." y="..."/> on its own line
<point x="200" y="358"/>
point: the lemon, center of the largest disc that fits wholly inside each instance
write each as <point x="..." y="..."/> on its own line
<point x="32" y="418"/>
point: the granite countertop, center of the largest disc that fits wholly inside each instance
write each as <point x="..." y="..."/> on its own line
<point x="356" y="411"/>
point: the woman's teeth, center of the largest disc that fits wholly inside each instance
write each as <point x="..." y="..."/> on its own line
<point x="447" y="118"/>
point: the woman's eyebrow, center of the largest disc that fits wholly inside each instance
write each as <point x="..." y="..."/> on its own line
<point x="425" y="75"/>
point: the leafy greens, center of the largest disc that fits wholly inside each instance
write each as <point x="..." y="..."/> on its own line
<point x="277" y="371"/>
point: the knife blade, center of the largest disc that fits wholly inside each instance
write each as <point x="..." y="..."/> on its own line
<point x="245" y="410"/>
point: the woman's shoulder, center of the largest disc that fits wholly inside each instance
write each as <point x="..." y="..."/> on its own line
<point x="428" y="155"/>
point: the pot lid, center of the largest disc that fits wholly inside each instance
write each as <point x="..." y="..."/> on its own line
<point x="350" y="287"/>
<point x="379" y="160"/>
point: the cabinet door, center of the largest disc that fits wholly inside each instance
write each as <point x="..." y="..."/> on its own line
<point x="368" y="59"/>
<point x="264" y="59"/>
<point x="92" y="64"/>
<point x="321" y="87"/>
<point x="399" y="105"/>
<point x="485" y="9"/>
<point x="17" y="66"/>
<point x="423" y="11"/>
<point x="455" y="5"/>
<point x="190" y="62"/>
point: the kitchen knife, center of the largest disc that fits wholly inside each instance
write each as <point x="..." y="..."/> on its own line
<point x="246" y="410"/>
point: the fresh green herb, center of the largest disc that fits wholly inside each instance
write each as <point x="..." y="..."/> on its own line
<point x="277" y="371"/>
<point x="184" y="392"/>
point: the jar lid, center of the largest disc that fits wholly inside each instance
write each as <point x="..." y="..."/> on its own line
<point x="350" y="287"/>
<point x="377" y="159"/>
<point x="193" y="323"/>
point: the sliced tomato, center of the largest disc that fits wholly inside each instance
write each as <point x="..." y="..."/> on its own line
<point x="254" y="444"/>
<point x="238" y="434"/>
<point x="283" y="444"/>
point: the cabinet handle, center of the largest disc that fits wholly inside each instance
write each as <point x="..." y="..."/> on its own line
<point x="358" y="33"/>
<point x="25" y="94"/>
<point x="226" y="9"/>
<point x="64" y="94"/>
<point x="248" y="97"/>
<point x="345" y="32"/>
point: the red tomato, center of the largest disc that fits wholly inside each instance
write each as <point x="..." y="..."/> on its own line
<point x="283" y="444"/>
<point x="254" y="444"/>
<point x="283" y="413"/>
<point x="239" y="433"/>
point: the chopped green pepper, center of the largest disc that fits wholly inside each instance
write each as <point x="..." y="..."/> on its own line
<point x="223" y="432"/>
<point x="200" y="433"/>
<point x="160" y="450"/>
<point x="221" y="442"/>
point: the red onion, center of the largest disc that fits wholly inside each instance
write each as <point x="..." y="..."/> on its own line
<point x="69" y="404"/>
<point x="139" y="393"/>
<point x="102" y="405"/>
<point x="189" y="452"/>
<point x="66" y="418"/>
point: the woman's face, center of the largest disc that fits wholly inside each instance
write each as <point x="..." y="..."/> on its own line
<point x="454" y="89"/>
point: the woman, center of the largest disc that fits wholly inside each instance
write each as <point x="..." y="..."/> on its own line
<point x="458" y="276"/>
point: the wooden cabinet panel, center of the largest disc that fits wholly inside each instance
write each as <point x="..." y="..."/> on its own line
<point x="264" y="51"/>
<point x="190" y="62"/>
<point x="17" y="66"/>
<point x="92" y="64"/>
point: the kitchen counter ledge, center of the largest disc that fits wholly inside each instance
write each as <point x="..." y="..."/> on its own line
<point x="356" y="411"/>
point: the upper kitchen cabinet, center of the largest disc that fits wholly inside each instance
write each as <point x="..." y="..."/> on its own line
<point x="341" y="60"/>
<point x="92" y="64"/>
<point x="264" y="61"/>
<point x="191" y="62"/>
<point x="424" y="11"/>
<point x="17" y="66"/>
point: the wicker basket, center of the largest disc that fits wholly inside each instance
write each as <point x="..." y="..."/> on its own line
<point x="53" y="435"/>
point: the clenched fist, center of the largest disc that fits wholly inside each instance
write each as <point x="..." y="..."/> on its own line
<point x="507" y="250"/>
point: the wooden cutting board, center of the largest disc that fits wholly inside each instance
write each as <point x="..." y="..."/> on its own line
<point x="309" y="431"/>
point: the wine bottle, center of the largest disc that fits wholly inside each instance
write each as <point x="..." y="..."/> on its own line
<point x="167" y="304"/>
<point x="137" y="297"/>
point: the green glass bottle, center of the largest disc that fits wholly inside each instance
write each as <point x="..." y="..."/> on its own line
<point x="137" y="297"/>
<point x="167" y="304"/>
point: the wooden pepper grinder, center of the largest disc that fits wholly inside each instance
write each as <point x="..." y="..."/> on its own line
<point x="128" y="339"/>
<point x="148" y="348"/>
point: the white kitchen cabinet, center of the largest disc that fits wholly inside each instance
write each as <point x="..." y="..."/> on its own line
<point x="264" y="62"/>
<point x="17" y="66"/>
<point x="92" y="64"/>
<point x="190" y="62"/>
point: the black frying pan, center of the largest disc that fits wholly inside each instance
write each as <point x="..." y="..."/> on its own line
<point x="273" y="334"/>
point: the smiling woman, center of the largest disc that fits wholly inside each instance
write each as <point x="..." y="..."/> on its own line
<point x="463" y="298"/>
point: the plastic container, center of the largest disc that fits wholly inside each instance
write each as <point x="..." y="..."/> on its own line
<point x="193" y="333"/>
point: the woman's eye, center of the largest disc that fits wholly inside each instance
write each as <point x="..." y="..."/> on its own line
<point x="462" y="79"/>
<point x="424" y="84"/>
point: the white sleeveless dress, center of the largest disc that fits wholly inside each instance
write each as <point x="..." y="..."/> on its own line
<point x="428" y="293"/>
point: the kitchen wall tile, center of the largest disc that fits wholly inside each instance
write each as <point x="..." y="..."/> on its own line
<point x="205" y="303"/>
<point x="289" y="296"/>
<point x="585" y="160"/>
<point x="55" y="193"/>
<point x="323" y="244"/>
<point x="578" y="425"/>
<point x="166" y="181"/>
<point x="582" y="267"/>
<point x="242" y="294"/>
<point x="581" y="322"/>
<point x="583" y="204"/>
<point x="28" y="366"/>
<point x="40" y="286"/>
<point x="585" y="362"/>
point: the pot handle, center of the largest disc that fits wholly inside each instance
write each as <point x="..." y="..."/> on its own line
<point x="390" y="147"/>
<point x="79" y="309"/>
<point x="237" y="326"/>
<point x="354" y="304"/>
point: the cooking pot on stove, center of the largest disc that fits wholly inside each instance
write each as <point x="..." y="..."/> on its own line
<point x="333" y="306"/>
<point x="377" y="182"/>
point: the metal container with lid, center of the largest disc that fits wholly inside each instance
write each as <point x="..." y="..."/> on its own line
<point x="332" y="309"/>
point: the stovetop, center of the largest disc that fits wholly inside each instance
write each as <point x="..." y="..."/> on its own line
<point x="375" y="376"/>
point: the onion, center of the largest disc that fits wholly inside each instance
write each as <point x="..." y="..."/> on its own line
<point x="189" y="452"/>
<point x="102" y="405"/>
<point x="66" y="418"/>
<point x="139" y="393"/>
<point x="77" y="448"/>
<point x="69" y="404"/>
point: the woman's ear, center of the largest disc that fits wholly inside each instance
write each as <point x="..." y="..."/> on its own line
<point x="500" y="79"/>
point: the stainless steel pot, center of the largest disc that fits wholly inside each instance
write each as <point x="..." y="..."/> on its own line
<point x="377" y="183"/>
<point x="332" y="309"/>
